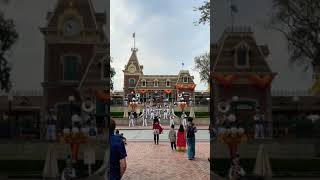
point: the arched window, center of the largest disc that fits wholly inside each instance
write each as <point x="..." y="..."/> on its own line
<point x="155" y="83"/>
<point x="168" y="84"/>
<point x="132" y="82"/>
<point x="71" y="67"/>
<point x="185" y="79"/>
<point x="143" y="83"/>
<point x="242" y="56"/>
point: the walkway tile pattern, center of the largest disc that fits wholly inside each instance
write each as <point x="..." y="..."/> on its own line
<point x="147" y="161"/>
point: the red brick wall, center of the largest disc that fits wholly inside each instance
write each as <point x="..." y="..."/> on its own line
<point x="55" y="63"/>
<point x="126" y="89"/>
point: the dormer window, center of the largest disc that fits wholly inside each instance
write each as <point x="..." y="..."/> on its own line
<point x="156" y="83"/>
<point x="143" y="83"/>
<point x="168" y="84"/>
<point x="242" y="56"/>
<point x="185" y="79"/>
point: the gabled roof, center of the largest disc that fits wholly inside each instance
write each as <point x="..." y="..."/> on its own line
<point x="223" y="52"/>
<point x="84" y="8"/>
<point x="134" y="60"/>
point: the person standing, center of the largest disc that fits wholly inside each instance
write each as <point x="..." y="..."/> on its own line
<point x="51" y="129"/>
<point x="131" y="120"/>
<point x="144" y="119"/>
<point x="118" y="154"/>
<point x="171" y="120"/>
<point x="191" y="138"/>
<point x="184" y="119"/>
<point x="152" y="113"/>
<point x="157" y="129"/>
<point x="181" y="139"/>
<point x="172" y="137"/>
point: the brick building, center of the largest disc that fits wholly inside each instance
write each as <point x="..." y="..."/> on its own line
<point x="76" y="49"/>
<point x="242" y="76"/>
<point x="159" y="87"/>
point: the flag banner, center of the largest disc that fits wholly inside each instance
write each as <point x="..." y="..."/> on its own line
<point x="134" y="35"/>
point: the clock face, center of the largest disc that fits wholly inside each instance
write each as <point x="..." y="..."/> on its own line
<point x="132" y="69"/>
<point x="71" y="27"/>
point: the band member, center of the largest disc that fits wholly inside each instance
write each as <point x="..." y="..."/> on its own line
<point x="259" y="129"/>
<point x="171" y="120"/>
<point x="131" y="119"/>
<point x="165" y="113"/>
<point x="184" y="119"/>
<point x="144" y="119"/>
<point x="152" y="115"/>
<point x="147" y="111"/>
<point x="51" y="129"/>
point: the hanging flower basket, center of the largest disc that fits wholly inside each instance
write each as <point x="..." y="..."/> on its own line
<point x="225" y="80"/>
<point x="263" y="81"/>
<point x="167" y="91"/>
<point x="142" y="91"/>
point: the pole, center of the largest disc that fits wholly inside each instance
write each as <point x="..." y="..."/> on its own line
<point x="9" y="119"/>
<point x="89" y="169"/>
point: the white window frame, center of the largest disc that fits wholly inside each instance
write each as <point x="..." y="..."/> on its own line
<point x="129" y="84"/>
<point x="168" y="80"/>
<point x="143" y="83"/>
<point x="62" y="57"/>
<point x="154" y="83"/>
<point x="247" y="65"/>
<point x="185" y="79"/>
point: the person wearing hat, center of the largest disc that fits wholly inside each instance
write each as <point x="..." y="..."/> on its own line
<point x="191" y="138"/>
<point x="51" y="125"/>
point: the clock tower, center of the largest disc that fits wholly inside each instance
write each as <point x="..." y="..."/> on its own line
<point x="132" y="72"/>
<point x="76" y="51"/>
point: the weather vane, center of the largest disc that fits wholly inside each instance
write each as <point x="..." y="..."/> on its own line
<point x="134" y="43"/>
<point x="182" y="64"/>
<point x="233" y="11"/>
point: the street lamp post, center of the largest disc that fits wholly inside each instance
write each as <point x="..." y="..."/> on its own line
<point x="71" y="100"/>
<point x="235" y="99"/>
<point x="296" y="100"/>
<point x="10" y="99"/>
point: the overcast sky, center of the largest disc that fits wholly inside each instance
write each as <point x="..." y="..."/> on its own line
<point x="28" y="53"/>
<point x="256" y="14"/>
<point x="165" y="36"/>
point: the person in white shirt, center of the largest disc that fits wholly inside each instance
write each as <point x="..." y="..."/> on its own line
<point x="51" y="128"/>
<point x="131" y="120"/>
<point x="144" y="119"/>
<point x="165" y="113"/>
<point x="184" y="120"/>
<point x="171" y="120"/>
<point x="152" y="115"/>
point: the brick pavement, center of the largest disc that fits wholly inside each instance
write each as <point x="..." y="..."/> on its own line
<point x="147" y="161"/>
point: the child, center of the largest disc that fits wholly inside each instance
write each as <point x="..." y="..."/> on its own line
<point x="181" y="141"/>
<point x="172" y="137"/>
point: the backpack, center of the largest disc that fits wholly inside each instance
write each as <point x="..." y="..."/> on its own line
<point x="190" y="132"/>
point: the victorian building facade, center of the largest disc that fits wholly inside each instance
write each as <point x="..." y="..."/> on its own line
<point x="158" y="87"/>
<point x="76" y="49"/>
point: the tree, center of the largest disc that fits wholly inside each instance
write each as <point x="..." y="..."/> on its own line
<point x="109" y="72"/>
<point x="204" y="10"/>
<point x="202" y="65"/>
<point x="8" y="36"/>
<point x="299" y="22"/>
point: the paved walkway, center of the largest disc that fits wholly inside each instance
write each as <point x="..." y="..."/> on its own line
<point x="148" y="161"/>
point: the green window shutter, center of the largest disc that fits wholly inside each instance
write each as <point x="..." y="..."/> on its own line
<point x="70" y="68"/>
